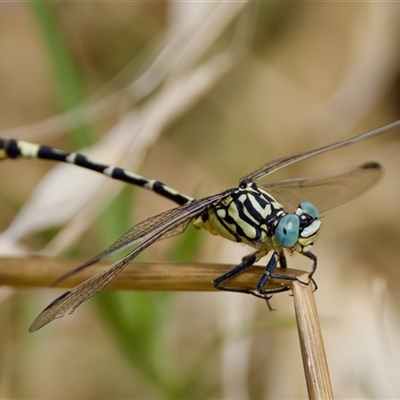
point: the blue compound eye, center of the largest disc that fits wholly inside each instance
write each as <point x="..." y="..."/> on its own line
<point x="287" y="230"/>
<point x="309" y="209"/>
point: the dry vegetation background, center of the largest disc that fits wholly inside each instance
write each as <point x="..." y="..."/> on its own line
<point x="197" y="95"/>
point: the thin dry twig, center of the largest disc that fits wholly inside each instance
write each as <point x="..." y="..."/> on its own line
<point x="311" y="342"/>
<point x="37" y="271"/>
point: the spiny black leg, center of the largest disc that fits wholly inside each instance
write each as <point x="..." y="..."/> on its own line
<point x="269" y="269"/>
<point x="247" y="262"/>
<point x="312" y="257"/>
<point x="238" y="269"/>
<point x="267" y="294"/>
<point x="269" y="273"/>
<point x="267" y="299"/>
<point x="260" y="291"/>
<point x="282" y="260"/>
<point x="250" y="255"/>
<point x="271" y="266"/>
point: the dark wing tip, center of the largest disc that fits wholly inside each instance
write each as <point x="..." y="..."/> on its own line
<point x="371" y="165"/>
<point x="43" y="319"/>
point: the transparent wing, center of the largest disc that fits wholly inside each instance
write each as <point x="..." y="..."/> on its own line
<point x="284" y="161"/>
<point x="135" y="234"/>
<point x="326" y="190"/>
<point x="153" y="228"/>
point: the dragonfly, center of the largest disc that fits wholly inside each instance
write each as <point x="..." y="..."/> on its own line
<point x="275" y="217"/>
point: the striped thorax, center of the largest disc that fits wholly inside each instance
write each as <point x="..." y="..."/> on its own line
<point x="251" y="215"/>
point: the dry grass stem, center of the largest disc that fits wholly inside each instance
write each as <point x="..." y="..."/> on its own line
<point x="311" y="342"/>
<point x="42" y="272"/>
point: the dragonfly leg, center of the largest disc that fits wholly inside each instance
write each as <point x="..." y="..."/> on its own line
<point x="269" y="269"/>
<point x="270" y="272"/>
<point x="312" y="257"/>
<point x="282" y="260"/>
<point x="247" y="262"/>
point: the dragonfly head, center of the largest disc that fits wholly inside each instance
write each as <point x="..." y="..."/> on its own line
<point x="299" y="231"/>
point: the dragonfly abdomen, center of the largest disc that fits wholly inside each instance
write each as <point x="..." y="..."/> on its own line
<point x="10" y="148"/>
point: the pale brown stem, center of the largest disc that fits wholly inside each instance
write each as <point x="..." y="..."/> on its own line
<point x="311" y="342"/>
<point x="34" y="271"/>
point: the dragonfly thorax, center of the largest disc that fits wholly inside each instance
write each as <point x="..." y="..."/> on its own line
<point x="251" y="215"/>
<point x="246" y="214"/>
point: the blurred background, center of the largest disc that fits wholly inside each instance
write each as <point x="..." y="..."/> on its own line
<point x="197" y="95"/>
